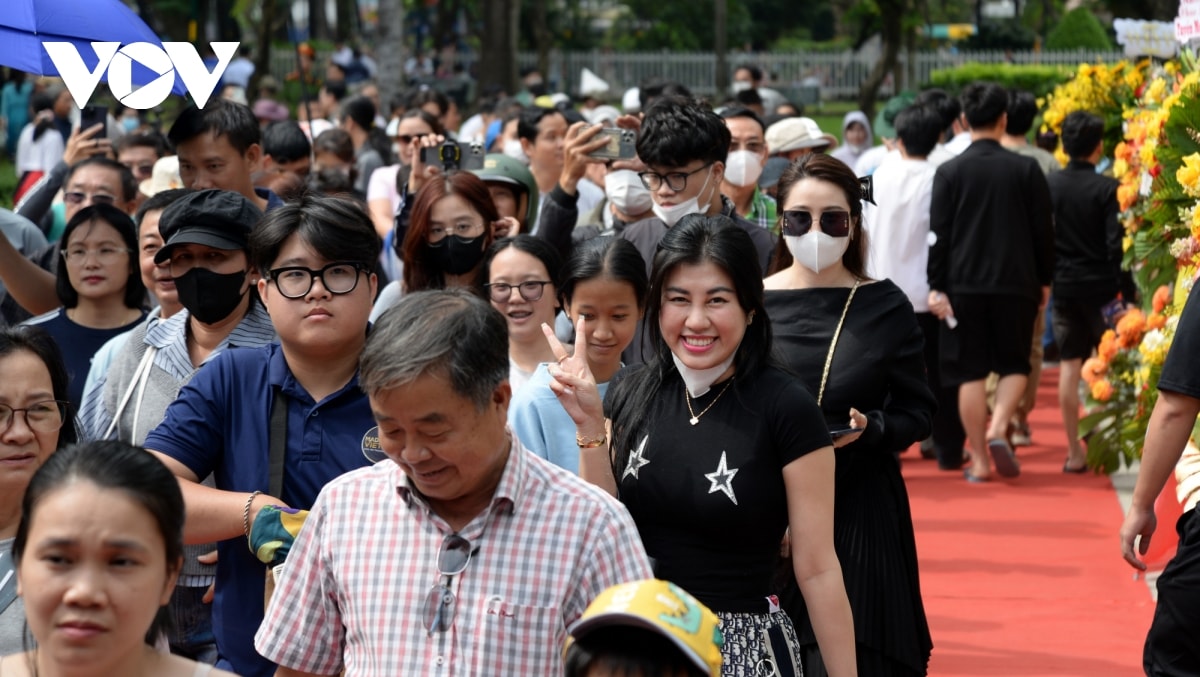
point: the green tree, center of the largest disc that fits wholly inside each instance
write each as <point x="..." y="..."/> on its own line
<point x="1079" y="29"/>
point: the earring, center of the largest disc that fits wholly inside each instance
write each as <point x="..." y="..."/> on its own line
<point x="750" y="318"/>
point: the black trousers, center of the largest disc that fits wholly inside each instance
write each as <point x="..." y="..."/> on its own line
<point x="1172" y="649"/>
<point x="948" y="434"/>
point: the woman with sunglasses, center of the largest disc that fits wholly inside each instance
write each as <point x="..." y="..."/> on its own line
<point x="387" y="185"/>
<point x="99" y="284"/>
<point x="716" y="452"/>
<point x="855" y="344"/>
<point x="520" y="276"/>
<point x="34" y="421"/>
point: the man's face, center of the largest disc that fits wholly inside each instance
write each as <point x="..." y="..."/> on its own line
<point x="453" y="452"/>
<point x="743" y="75"/>
<point x="140" y="160"/>
<point x="91" y="185"/>
<point x="320" y="321"/>
<point x="300" y="166"/>
<point x="546" y="151"/>
<point x="701" y="181"/>
<point x="746" y="134"/>
<point x="209" y="161"/>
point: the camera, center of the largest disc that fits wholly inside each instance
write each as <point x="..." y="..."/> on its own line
<point x="451" y="155"/>
<point x="622" y="144"/>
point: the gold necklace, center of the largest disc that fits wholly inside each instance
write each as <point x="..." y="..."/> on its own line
<point x="687" y="398"/>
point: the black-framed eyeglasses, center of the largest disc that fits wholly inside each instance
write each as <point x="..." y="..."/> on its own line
<point x="530" y="290"/>
<point x="43" y="417"/>
<point x="76" y="197"/>
<point x="440" y="602"/>
<point x="295" y="282"/>
<point x="676" y="181"/>
<point x="409" y="138"/>
<point x="797" y="222"/>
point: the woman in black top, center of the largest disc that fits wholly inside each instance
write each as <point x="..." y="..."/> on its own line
<point x="856" y="345"/>
<point x="716" y="452"/>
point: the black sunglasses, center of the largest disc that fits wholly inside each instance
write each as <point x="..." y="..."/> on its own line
<point x="440" y="602"/>
<point x="797" y="222"/>
<point x="409" y="138"/>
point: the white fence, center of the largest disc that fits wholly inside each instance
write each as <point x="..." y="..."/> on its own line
<point x="806" y="77"/>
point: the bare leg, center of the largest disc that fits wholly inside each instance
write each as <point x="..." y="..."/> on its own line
<point x="1068" y="400"/>
<point x="1008" y="395"/>
<point x="972" y="408"/>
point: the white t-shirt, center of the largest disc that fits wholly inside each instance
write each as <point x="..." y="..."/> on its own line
<point x="383" y="185"/>
<point x="40" y="155"/>
<point x="898" y="226"/>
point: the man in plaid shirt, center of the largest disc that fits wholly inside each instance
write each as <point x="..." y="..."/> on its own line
<point x="462" y="555"/>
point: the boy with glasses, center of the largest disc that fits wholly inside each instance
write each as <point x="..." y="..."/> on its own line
<point x="275" y="424"/>
<point x="462" y="553"/>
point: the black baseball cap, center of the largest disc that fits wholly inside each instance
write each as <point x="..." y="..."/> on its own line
<point x="220" y="219"/>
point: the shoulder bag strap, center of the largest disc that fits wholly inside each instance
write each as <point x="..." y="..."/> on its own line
<point x="278" y="442"/>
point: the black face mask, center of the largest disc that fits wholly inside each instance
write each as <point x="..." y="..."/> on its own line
<point x="210" y="297"/>
<point x="456" y="255"/>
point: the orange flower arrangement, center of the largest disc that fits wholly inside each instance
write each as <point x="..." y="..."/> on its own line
<point x="1156" y="321"/>
<point x="1102" y="390"/>
<point x="1108" y="346"/>
<point x="1162" y="296"/>
<point x="1130" y="328"/>
<point x="1094" y="370"/>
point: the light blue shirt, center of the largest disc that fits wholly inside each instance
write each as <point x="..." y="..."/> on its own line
<point x="541" y="423"/>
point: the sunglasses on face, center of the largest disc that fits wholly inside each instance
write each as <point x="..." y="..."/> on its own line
<point x="409" y="138"/>
<point x="97" y="198"/>
<point x="797" y="222"/>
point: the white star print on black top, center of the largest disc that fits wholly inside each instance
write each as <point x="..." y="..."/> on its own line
<point x="637" y="459"/>
<point x="709" y="499"/>
<point x="722" y="479"/>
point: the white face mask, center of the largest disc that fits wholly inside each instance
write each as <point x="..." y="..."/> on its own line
<point x="743" y="167"/>
<point x="513" y="149"/>
<point x="699" y="381"/>
<point x="741" y="86"/>
<point x="624" y="189"/>
<point x="671" y="215"/>
<point x="816" y="250"/>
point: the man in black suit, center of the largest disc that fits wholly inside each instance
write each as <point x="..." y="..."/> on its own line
<point x="991" y="261"/>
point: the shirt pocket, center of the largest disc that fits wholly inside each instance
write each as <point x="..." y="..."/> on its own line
<point x="518" y="639"/>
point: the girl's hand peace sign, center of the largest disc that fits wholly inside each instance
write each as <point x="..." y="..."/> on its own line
<point x="572" y="382"/>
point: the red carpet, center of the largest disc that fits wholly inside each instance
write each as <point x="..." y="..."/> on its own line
<point x="1025" y="577"/>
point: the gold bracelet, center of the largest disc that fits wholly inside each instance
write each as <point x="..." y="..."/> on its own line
<point x="591" y="444"/>
<point x="246" y="513"/>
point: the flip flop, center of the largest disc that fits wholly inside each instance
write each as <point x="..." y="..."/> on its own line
<point x="973" y="478"/>
<point x="1003" y="457"/>
<point x="1074" y="471"/>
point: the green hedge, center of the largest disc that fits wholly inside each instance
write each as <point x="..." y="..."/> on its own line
<point x="1040" y="80"/>
<point x="1078" y="29"/>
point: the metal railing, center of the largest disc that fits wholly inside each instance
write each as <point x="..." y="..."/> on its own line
<point x="799" y="75"/>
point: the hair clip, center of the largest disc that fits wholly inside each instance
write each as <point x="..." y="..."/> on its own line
<point x="867" y="185"/>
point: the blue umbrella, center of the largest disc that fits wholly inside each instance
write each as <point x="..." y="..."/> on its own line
<point x="26" y="24"/>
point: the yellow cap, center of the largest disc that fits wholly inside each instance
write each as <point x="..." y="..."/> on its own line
<point x="661" y="607"/>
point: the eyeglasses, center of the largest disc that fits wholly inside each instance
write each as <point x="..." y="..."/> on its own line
<point x="295" y="282"/>
<point x="530" y="290"/>
<point x="76" y="256"/>
<point x="463" y="230"/>
<point x="798" y="222"/>
<point x="676" y="181"/>
<point x="409" y="138"/>
<point x="74" y="198"/>
<point x="43" y="417"/>
<point x="440" y="603"/>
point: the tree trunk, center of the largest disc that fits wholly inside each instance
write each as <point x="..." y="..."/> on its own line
<point x="262" y="41"/>
<point x="892" y="14"/>
<point x="721" y="31"/>
<point x="318" y="23"/>
<point x="545" y="41"/>
<point x="389" y="47"/>
<point x="498" y="51"/>
<point x="347" y="19"/>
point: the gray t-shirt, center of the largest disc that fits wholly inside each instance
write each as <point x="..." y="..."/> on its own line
<point x="12" y="619"/>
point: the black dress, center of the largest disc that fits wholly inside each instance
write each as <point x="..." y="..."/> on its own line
<point x="878" y="368"/>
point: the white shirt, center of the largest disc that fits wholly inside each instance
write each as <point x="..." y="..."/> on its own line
<point x="959" y="143"/>
<point x="40" y="155"/>
<point x="898" y="226"/>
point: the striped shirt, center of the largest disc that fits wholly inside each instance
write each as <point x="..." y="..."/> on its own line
<point x="352" y="595"/>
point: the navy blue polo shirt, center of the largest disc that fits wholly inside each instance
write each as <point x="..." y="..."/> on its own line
<point x="219" y="424"/>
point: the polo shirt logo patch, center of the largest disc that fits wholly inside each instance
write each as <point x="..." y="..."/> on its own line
<point x="371" y="449"/>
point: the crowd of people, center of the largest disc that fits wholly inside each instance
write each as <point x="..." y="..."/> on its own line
<point x="431" y="371"/>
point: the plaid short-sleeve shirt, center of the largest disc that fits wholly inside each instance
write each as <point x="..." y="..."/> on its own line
<point x="354" y="588"/>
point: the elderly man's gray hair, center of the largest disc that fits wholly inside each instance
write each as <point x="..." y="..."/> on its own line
<point x="449" y="331"/>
